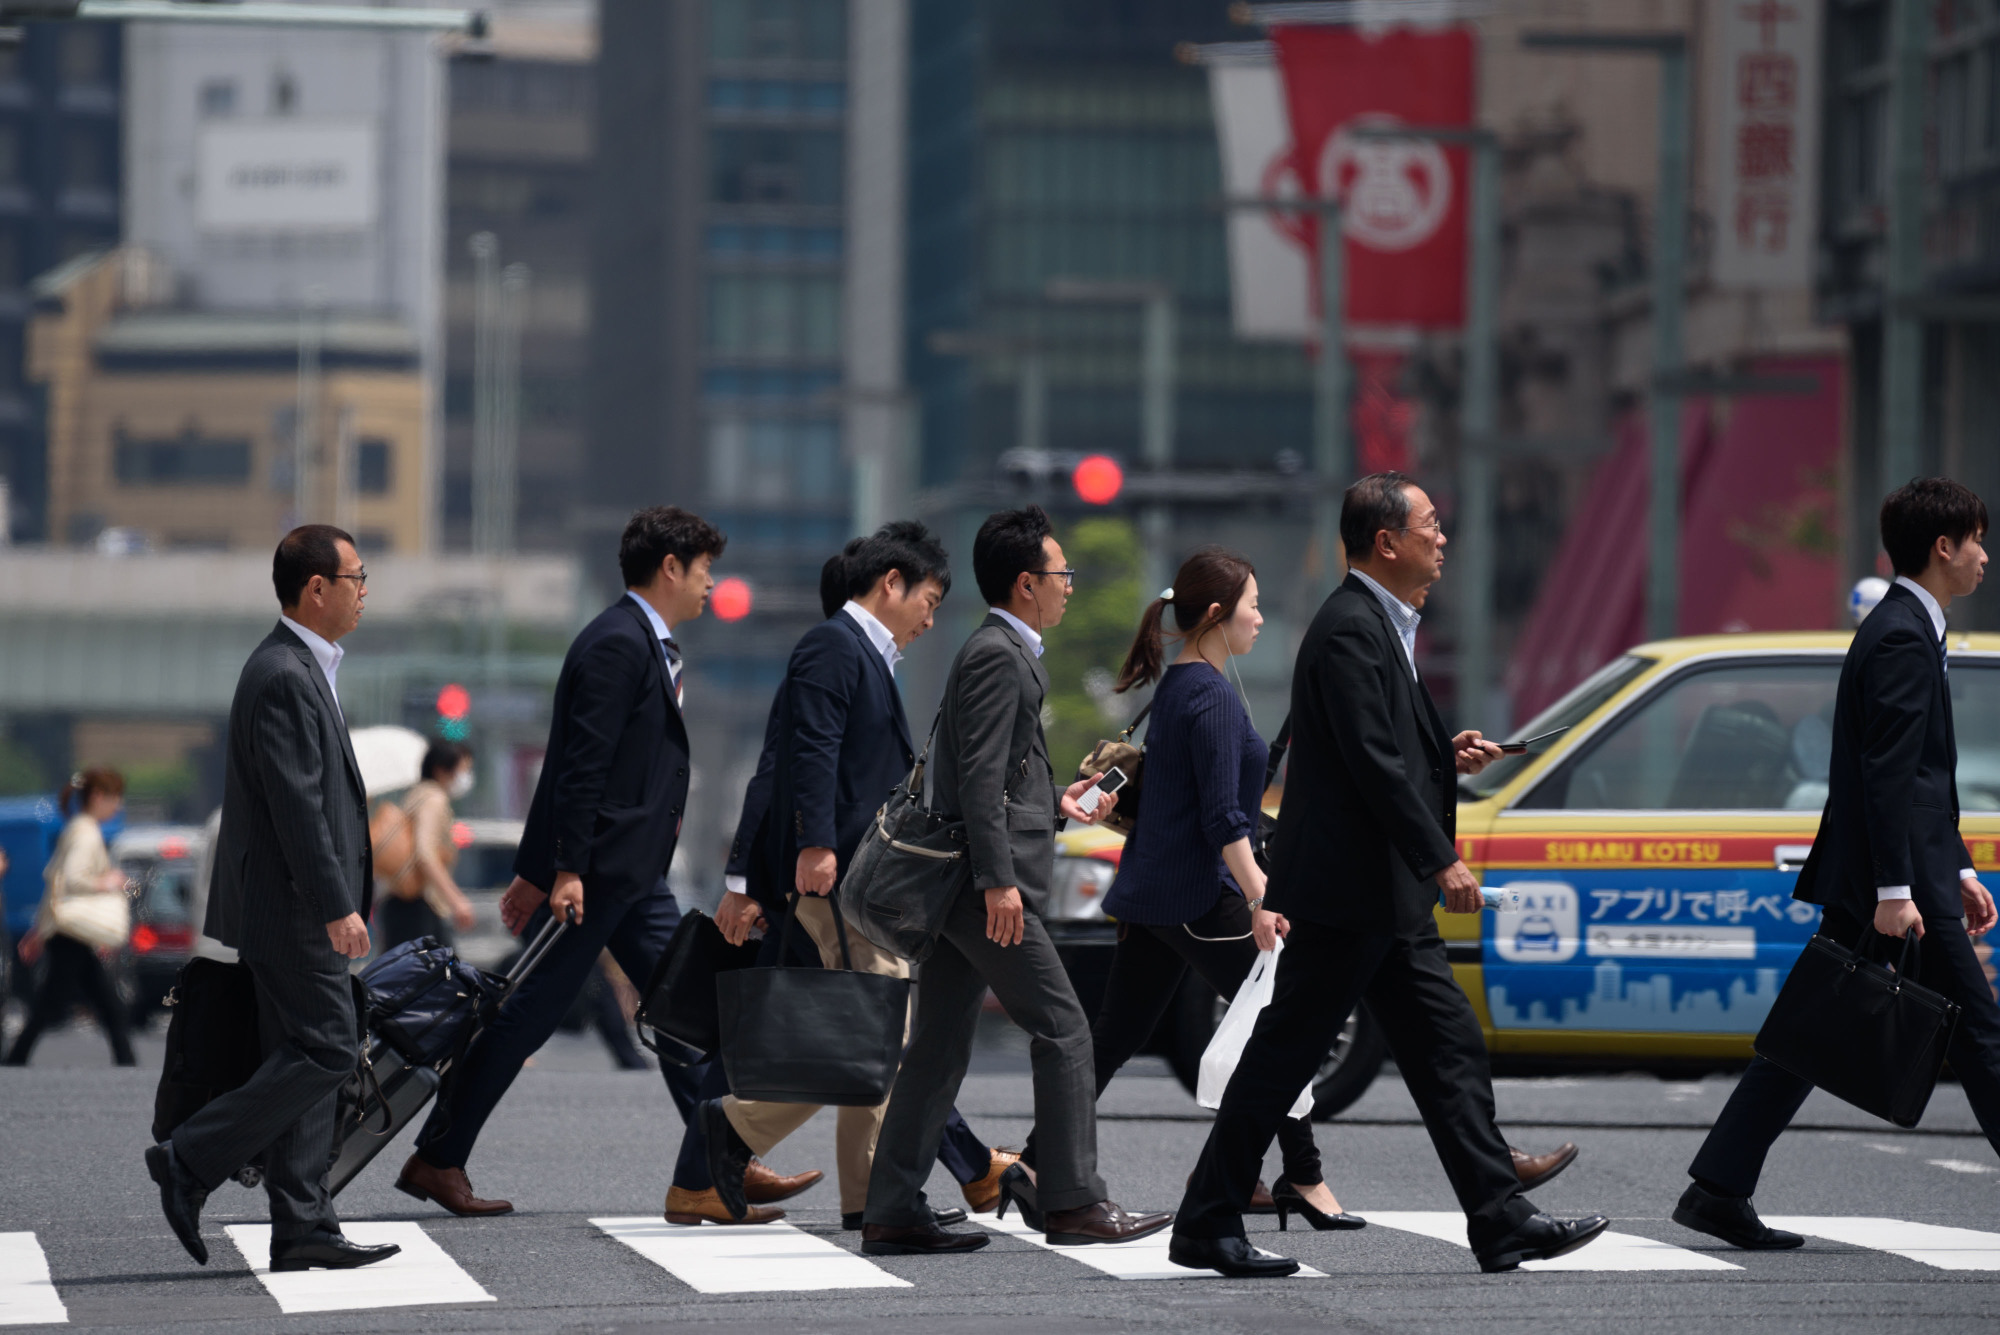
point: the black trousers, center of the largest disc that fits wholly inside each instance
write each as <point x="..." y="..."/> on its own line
<point x="1147" y="967"/>
<point x="286" y="1112"/>
<point x="74" y="970"/>
<point x="1768" y="1096"/>
<point x="400" y="920"/>
<point x="1323" y="974"/>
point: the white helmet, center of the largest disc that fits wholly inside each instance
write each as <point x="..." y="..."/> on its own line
<point x="1867" y="592"/>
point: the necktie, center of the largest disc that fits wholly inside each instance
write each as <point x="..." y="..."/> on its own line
<point x="673" y="653"/>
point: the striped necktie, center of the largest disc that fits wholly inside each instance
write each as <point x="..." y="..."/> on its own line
<point x="673" y="653"/>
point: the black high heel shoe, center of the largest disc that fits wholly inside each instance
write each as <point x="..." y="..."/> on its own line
<point x="1018" y="1187"/>
<point x="1289" y="1201"/>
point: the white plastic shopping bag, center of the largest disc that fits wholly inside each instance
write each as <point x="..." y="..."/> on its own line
<point x="1218" y="1062"/>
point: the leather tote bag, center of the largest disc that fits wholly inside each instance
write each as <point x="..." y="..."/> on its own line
<point x="1129" y="759"/>
<point x="677" y="1016"/>
<point x="911" y="865"/>
<point x="1859" y="1030"/>
<point x="793" y="1035"/>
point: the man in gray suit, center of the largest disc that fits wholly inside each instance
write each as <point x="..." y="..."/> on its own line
<point x="991" y="763"/>
<point x="292" y="880"/>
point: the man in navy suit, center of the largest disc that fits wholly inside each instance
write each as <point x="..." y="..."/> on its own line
<point x="1888" y="853"/>
<point x="601" y="831"/>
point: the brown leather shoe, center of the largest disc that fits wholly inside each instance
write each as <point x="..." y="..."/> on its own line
<point x="983" y="1195"/>
<point x="1102" y="1221"/>
<point x="1260" y="1198"/>
<point x="881" y="1240"/>
<point x="449" y="1187"/>
<point x="1535" y="1169"/>
<point x="705" y="1207"/>
<point x="763" y="1186"/>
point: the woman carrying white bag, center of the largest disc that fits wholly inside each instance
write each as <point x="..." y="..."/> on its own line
<point x="1225" y="1047"/>
<point x="1188" y="891"/>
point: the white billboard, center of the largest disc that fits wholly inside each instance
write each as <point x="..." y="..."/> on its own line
<point x="1764" y="170"/>
<point x="1270" y="269"/>
<point x="286" y="176"/>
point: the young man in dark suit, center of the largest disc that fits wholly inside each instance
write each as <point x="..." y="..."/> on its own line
<point x="991" y="764"/>
<point x="601" y="832"/>
<point x="1887" y="855"/>
<point x="1364" y="845"/>
<point x="293" y="878"/>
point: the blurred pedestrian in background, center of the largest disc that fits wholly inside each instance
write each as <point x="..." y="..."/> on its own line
<point x="414" y="855"/>
<point x="84" y="917"/>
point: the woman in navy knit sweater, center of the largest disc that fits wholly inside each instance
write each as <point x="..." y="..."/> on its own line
<point x="1189" y="892"/>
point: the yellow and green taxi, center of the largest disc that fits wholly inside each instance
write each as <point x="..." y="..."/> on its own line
<point x="1654" y="841"/>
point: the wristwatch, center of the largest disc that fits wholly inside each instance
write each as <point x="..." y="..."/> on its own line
<point x="1257" y="903"/>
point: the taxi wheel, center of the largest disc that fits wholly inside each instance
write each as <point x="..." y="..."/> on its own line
<point x="1350" y="1067"/>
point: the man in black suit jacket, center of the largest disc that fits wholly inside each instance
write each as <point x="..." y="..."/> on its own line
<point x="1364" y="845"/>
<point x="601" y="831"/>
<point x="1888" y="853"/>
<point x="292" y="881"/>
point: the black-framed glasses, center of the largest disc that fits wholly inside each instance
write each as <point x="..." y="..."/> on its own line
<point x="1068" y="576"/>
<point x="360" y="579"/>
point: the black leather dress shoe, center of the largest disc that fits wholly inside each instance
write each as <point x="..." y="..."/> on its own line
<point x="728" y="1156"/>
<point x="181" y="1198"/>
<point x="1233" y="1257"/>
<point x="1733" y="1219"/>
<point x="881" y="1240"/>
<point x="327" y="1251"/>
<point x="1539" y="1239"/>
<point x="942" y="1218"/>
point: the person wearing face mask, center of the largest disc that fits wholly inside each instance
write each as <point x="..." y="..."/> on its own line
<point x="420" y="898"/>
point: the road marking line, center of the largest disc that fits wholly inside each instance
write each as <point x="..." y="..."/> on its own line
<point x="1611" y="1251"/>
<point x="1962" y="1165"/>
<point x="27" y="1296"/>
<point x="421" y="1275"/>
<point x="747" y="1258"/>
<point x="1887" y="1149"/>
<point x="1143" y="1259"/>
<point x="1930" y="1244"/>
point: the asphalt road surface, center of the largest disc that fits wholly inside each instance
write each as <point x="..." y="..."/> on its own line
<point x="1905" y="1226"/>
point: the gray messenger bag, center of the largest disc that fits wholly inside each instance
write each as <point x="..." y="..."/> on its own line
<point x="910" y="867"/>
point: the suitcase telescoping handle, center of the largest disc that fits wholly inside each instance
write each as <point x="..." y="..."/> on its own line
<point x="531" y="958"/>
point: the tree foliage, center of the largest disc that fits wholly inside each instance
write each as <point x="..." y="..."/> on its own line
<point x="1095" y="632"/>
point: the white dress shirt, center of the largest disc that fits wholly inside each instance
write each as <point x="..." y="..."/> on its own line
<point x="878" y="634"/>
<point x="1028" y="633"/>
<point x="665" y="634"/>
<point x="1923" y="594"/>
<point x="1401" y="615"/>
<point x="325" y="653"/>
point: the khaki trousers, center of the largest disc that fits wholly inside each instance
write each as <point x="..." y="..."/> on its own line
<point x="762" y="1125"/>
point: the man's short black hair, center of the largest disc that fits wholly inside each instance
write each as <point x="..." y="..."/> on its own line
<point x="442" y="758"/>
<point x="1376" y="502"/>
<point x="1008" y="543"/>
<point x="1923" y="510"/>
<point x="905" y="546"/>
<point x="310" y="549"/>
<point x="660" y="531"/>
<point x="833" y="577"/>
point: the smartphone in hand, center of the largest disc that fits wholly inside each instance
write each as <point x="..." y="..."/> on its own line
<point x="1108" y="782"/>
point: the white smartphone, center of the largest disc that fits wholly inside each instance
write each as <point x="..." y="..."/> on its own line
<point x="1108" y="782"/>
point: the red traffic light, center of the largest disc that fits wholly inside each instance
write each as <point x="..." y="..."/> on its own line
<point x="1098" y="479"/>
<point x="731" y="599"/>
<point x="454" y="702"/>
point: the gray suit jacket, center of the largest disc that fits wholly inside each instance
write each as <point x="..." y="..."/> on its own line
<point x="991" y="762"/>
<point x="292" y="854"/>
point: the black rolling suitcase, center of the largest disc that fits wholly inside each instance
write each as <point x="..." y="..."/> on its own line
<point x="425" y="1006"/>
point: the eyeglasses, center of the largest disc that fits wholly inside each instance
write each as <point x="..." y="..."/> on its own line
<point x="1068" y="576"/>
<point x="1434" y="526"/>
<point x="360" y="579"/>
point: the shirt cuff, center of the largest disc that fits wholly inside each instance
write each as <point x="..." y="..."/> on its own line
<point x="736" y="885"/>
<point x="1883" y="892"/>
<point x="1968" y="873"/>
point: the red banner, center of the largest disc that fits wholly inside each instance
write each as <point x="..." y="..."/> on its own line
<point x="1403" y="201"/>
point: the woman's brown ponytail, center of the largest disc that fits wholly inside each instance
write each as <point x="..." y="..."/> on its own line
<point x="1213" y="575"/>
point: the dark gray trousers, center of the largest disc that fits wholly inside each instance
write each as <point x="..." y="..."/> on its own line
<point x="306" y="1021"/>
<point x="1035" y="991"/>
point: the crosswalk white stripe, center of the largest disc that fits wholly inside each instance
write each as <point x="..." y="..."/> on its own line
<point x="1143" y="1259"/>
<point x="747" y="1258"/>
<point x="1931" y="1244"/>
<point x="421" y="1275"/>
<point x="1611" y="1251"/>
<point x="27" y="1297"/>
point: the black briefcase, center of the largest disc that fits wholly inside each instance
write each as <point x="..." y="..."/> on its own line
<point x="1859" y="1030"/>
<point x="677" y="1013"/>
<point x="792" y="1035"/>
<point x="911" y="867"/>
<point x="212" y="1042"/>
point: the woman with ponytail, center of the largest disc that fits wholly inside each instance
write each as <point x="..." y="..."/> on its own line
<point x="1188" y="892"/>
<point x="84" y="912"/>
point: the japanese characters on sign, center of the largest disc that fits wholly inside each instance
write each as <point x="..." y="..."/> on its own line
<point x="1763" y="161"/>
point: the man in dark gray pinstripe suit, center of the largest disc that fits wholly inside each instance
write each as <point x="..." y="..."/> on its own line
<point x="292" y="881"/>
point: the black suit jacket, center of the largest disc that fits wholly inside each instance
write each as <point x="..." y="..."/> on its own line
<point x="292" y="853"/>
<point x="1891" y="813"/>
<point x="615" y="779"/>
<point x="748" y="851"/>
<point x="1370" y="812"/>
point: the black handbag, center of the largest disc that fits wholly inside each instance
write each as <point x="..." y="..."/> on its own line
<point x="212" y="1041"/>
<point x="909" y="869"/>
<point x="677" y="1015"/>
<point x="1267" y="824"/>
<point x="1859" y="1030"/>
<point x="793" y="1035"/>
<point x="1130" y="761"/>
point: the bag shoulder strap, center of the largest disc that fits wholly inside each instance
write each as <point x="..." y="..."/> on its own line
<point x="1137" y="719"/>
<point x="791" y="921"/>
<point x="1279" y="745"/>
